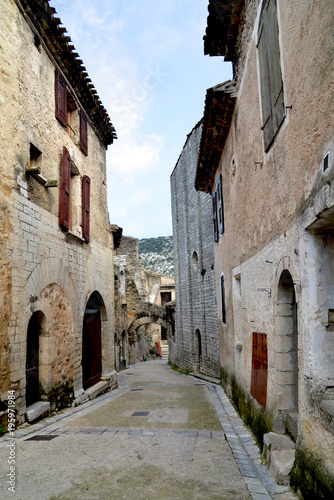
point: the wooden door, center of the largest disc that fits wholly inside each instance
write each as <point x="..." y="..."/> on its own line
<point x="32" y="362"/>
<point x="259" y="368"/>
<point x="91" y="348"/>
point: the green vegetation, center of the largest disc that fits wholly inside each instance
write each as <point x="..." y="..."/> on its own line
<point x="177" y="369"/>
<point x="255" y="417"/>
<point x="311" y="477"/>
<point x="157" y="254"/>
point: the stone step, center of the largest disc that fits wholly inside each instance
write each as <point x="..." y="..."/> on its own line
<point x="279" y="455"/>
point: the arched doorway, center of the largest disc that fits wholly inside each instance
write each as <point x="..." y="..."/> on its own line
<point x="198" y="344"/>
<point x="32" y="359"/>
<point x="91" y="341"/>
<point x="287" y="345"/>
<point x="122" y="351"/>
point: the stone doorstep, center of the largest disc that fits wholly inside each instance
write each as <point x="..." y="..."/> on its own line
<point x="279" y="454"/>
<point x="37" y="410"/>
<point x="97" y="389"/>
<point x="281" y="465"/>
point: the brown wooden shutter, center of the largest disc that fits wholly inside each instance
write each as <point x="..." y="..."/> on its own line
<point x="65" y="191"/>
<point x="259" y="368"/>
<point x="220" y="203"/>
<point x="83" y="133"/>
<point x="214" y="211"/>
<point x="270" y="73"/>
<point x="61" y="98"/>
<point x="85" y="207"/>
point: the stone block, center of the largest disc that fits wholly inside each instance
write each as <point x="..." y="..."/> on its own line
<point x="37" y="410"/>
<point x="284" y="343"/>
<point x="281" y="465"/>
<point x="97" y="389"/>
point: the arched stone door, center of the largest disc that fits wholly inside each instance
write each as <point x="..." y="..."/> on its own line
<point x="287" y="345"/>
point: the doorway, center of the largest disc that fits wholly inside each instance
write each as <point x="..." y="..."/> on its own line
<point x="32" y="359"/>
<point x="198" y="342"/>
<point x="287" y="345"/>
<point x="91" y="341"/>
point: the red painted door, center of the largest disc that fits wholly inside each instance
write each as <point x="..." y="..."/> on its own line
<point x="91" y="348"/>
<point x="259" y="368"/>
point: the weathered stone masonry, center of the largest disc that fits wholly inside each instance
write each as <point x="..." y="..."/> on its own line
<point x="195" y="346"/>
<point x="48" y="272"/>
<point x="274" y="161"/>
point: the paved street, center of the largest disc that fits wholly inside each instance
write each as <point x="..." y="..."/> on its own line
<point x="160" y="435"/>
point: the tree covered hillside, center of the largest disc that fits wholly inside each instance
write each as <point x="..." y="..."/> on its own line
<point x="157" y="254"/>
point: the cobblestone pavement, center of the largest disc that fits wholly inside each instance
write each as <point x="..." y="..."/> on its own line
<point x="160" y="435"/>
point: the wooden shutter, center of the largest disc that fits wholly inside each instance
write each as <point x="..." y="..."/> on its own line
<point x="83" y="133"/>
<point x="220" y="203"/>
<point x="270" y="73"/>
<point x="61" y="98"/>
<point x="65" y="191"/>
<point x="259" y="368"/>
<point x="85" y="207"/>
<point x="222" y="289"/>
<point x="214" y="210"/>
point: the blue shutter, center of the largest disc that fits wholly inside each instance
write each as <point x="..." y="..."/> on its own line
<point x="220" y="203"/>
<point x="222" y="288"/>
<point x="214" y="210"/>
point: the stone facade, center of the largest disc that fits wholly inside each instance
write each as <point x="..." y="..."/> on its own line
<point x="139" y="310"/>
<point x="49" y="273"/>
<point x="276" y="252"/>
<point x="195" y="344"/>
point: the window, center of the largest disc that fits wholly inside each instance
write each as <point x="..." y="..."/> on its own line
<point x="35" y="158"/>
<point x="215" y="220"/>
<point x="85" y="207"/>
<point x="65" y="190"/>
<point x="270" y="73"/>
<point x="71" y="109"/>
<point x="74" y="197"/>
<point x="67" y="115"/>
<point x="165" y="297"/>
<point x="220" y="203"/>
<point x="83" y="133"/>
<point x="61" y="98"/>
<point x="222" y="289"/>
<point x="325" y="163"/>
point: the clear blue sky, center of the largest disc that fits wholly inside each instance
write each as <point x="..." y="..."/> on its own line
<point x="146" y="60"/>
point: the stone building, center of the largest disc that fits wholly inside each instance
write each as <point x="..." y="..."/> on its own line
<point x="266" y="155"/>
<point x="140" y="297"/>
<point x="56" y="256"/>
<point x="194" y="346"/>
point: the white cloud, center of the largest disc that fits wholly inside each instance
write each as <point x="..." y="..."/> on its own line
<point x="129" y="158"/>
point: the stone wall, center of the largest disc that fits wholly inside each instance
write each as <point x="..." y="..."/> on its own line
<point x="276" y="253"/>
<point x="196" y="307"/>
<point x="45" y="270"/>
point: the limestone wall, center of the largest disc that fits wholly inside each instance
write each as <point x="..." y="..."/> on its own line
<point x="196" y="308"/>
<point x="43" y="268"/>
<point x="272" y="202"/>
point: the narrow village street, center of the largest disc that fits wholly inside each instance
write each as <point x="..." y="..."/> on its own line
<point x="159" y="435"/>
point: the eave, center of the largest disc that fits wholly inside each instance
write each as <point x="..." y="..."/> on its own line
<point x="47" y="26"/>
<point x="223" y="28"/>
<point x="218" y="113"/>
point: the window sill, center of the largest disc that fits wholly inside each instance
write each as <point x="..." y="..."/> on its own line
<point x="75" y="237"/>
